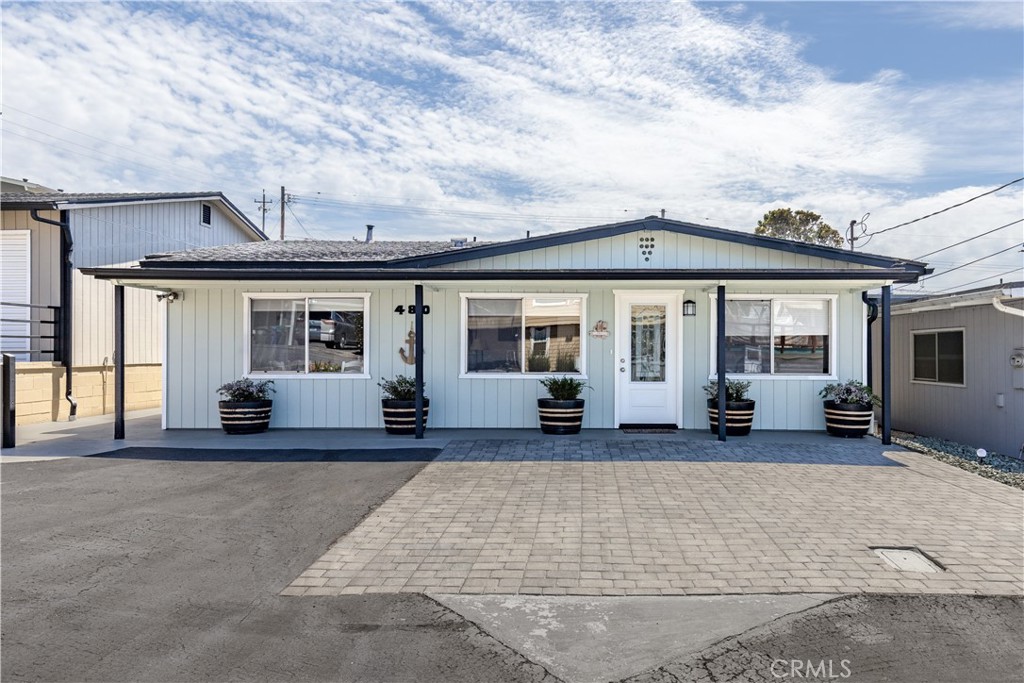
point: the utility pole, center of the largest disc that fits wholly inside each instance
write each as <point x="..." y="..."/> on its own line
<point x="853" y="239"/>
<point x="282" y="212"/>
<point x="263" y="209"/>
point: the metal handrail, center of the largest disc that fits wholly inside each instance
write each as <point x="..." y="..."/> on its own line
<point x="56" y="351"/>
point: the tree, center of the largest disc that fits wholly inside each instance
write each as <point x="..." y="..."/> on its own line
<point x="801" y="226"/>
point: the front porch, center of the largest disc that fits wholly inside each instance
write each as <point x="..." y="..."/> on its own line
<point x="94" y="435"/>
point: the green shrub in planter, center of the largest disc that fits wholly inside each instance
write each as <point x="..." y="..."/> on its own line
<point x="246" y="406"/>
<point x="563" y="412"/>
<point x="739" y="409"/>
<point x="849" y="408"/>
<point x="398" y="403"/>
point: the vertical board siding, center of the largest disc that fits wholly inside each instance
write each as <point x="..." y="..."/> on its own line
<point x="125" y="233"/>
<point x="672" y="250"/>
<point x="966" y="414"/>
<point x="206" y="350"/>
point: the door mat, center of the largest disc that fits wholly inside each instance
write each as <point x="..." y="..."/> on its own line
<point x="648" y="430"/>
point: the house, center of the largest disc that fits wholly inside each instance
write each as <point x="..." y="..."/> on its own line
<point x="632" y="308"/>
<point x="58" y="321"/>
<point x="958" y="367"/>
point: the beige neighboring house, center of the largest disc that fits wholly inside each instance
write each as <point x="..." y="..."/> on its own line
<point x="58" y="322"/>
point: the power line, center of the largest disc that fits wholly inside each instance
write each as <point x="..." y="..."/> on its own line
<point x="1001" y="227"/>
<point x="948" y="208"/>
<point x="972" y="282"/>
<point x="947" y="272"/>
<point x="292" y="212"/>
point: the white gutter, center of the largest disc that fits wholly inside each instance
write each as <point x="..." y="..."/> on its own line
<point x="1003" y="308"/>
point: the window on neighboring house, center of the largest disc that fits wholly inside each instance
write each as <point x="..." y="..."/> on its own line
<point x="523" y="334"/>
<point x="207" y="214"/>
<point x="300" y="335"/>
<point x="778" y="336"/>
<point x="939" y="356"/>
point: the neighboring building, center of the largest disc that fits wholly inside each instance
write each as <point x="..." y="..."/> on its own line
<point x="46" y="239"/>
<point x="328" y="320"/>
<point x="958" y="367"/>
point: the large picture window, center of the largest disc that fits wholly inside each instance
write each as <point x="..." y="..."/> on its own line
<point x="306" y="335"/>
<point x="939" y="356"/>
<point x="523" y="334"/>
<point x="778" y="336"/>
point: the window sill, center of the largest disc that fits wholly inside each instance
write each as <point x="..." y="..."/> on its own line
<point x="519" y="375"/>
<point x="929" y="383"/>
<point x="305" y="376"/>
<point x="772" y="378"/>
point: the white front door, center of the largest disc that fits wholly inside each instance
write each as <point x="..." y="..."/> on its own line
<point x="647" y="380"/>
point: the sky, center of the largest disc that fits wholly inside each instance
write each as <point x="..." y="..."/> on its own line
<point x="455" y="119"/>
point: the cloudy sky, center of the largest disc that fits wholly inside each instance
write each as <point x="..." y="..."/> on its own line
<point x="452" y="119"/>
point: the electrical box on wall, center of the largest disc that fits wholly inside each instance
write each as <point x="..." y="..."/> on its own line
<point x="1017" y="363"/>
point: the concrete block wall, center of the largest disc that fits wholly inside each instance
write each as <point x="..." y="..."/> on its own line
<point x="40" y="390"/>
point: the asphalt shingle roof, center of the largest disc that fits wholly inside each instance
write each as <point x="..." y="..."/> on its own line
<point x="309" y="251"/>
<point x="95" y="197"/>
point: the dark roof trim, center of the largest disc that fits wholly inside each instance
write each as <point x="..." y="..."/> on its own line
<point x="378" y="274"/>
<point x="52" y="203"/>
<point x="655" y="223"/>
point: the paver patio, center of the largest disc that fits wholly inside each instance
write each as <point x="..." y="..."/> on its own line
<point x="674" y="518"/>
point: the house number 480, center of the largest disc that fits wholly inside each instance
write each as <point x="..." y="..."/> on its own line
<point x="411" y="310"/>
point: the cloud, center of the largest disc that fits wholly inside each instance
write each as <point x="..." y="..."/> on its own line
<point x="987" y="15"/>
<point x="486" y="119"/>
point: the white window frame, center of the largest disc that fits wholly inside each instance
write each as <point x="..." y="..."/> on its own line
<point x="248" y="297"/>
<point x="963" y="358"/>
<point x="464" y="298"/>
<point x="772" y="298"/>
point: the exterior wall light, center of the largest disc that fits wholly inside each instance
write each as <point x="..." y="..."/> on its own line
<point x="689" y="307"/>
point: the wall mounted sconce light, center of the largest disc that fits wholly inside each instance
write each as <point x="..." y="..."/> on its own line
<point x="689" y="307"/>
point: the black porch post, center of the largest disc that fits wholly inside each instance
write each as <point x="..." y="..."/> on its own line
<point x="720" y="356"/>
<point x="886" y="366"/>
<point x="419" y="361"/>
<point x="118" y="361"/>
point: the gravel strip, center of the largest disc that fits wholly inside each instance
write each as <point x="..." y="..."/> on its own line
<point x="1001" y="468"/>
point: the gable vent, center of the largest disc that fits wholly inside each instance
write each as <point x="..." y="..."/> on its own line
<point x="207" y="218"/>
<point x="646" y="247"/>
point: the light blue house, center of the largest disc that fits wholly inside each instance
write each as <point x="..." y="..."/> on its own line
<point x="633" y="308"/>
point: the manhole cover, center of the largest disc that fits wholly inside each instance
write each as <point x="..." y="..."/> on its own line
<point x="908" y="560"/>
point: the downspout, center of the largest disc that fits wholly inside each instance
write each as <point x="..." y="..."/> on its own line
<point x="872" y="317"/>
<point x="67" y="245"/>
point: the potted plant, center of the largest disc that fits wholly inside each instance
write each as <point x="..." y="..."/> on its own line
<point x="246" y="406"/>
<point x="399" y="404"/>
<point x="849" y="408"/>
<point x="563" y="412"/>
<point x="739" y="409"/>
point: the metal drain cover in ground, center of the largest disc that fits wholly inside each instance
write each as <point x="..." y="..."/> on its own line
<point x="908" y="560"/>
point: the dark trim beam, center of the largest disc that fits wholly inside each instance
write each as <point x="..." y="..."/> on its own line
<point x="419" y="361"/>
<point x="119" y="361"/>
<point x="296" y="273"/>
<point x="720" y="358"/>
<point x="887" y="365"/>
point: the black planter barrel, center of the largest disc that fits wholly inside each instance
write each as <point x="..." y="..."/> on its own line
<point x="851" y="420"/>
<point x="560" y="417"/>
<point x="400" y="416"/>
<point x="739" y="417"/>
<point x="245" y="417"/>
